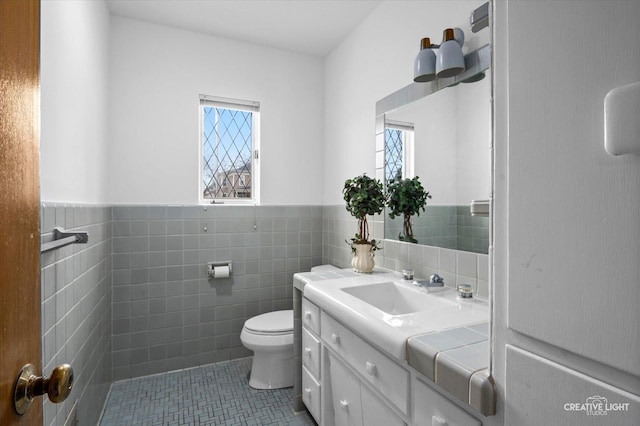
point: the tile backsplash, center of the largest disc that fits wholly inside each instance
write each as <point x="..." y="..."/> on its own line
<point x="455" y="266"/>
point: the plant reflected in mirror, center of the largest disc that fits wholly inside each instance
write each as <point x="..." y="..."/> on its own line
<point x="406" y="197"/>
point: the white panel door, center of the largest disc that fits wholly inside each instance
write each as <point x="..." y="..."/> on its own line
<point x="541" y="392"/>
<point x="573" y="209"/>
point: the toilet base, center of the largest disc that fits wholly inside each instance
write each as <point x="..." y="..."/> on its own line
<point x="271" y="372"/>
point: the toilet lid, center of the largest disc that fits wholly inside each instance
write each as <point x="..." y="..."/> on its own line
<point x="271" y="322"/>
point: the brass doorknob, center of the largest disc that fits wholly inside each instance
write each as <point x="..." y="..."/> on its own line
<point x="57" y="386"/>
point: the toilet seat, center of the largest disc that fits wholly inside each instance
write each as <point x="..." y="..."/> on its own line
<point x="271" y="323"/>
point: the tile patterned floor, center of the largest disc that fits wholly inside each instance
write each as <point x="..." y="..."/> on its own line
<point x="216" y="394"/>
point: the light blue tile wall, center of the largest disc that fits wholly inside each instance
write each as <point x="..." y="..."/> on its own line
<point x="167" y="314"/>
<point x="76" y="309"/>
<point x="136" y="300"/>
<point x="446" y="226"/>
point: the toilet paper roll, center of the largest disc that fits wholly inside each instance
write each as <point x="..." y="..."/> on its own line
<point x="221" y="272"/>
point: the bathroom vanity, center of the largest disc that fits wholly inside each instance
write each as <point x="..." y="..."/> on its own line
<point x="377" y="350"/>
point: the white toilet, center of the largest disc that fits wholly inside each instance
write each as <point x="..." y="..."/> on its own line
<point x="270" y="337"/>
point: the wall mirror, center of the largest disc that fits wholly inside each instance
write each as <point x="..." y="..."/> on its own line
<point x="441" y="132"/>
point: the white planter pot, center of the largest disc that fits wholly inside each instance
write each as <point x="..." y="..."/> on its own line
<point x="363" y="258"/>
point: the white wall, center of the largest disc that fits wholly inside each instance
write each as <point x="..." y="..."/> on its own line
<point x="158" y="72"/>
<point x="473" y="166"/>
<point x="74" y="98"/>
<point x="374" y="61"/>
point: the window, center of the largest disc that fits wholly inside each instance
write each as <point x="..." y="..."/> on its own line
<point x="398" y="149"/>
<point x="229" y="147"/>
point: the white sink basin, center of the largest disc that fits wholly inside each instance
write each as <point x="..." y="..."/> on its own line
<point x="388" y="310"/>
<point x="396" y="299"/>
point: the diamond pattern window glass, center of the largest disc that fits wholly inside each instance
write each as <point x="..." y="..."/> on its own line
<point x="398" y="150"/>
<point x="392" y="153"/>
<point x="229" y="138"/>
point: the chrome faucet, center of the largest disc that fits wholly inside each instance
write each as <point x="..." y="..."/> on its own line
<point x="434" y="281"/>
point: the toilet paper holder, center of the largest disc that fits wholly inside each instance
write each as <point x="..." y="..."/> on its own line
<point x="211" y="268"/>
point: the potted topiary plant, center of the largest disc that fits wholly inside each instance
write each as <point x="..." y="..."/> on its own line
<point x="406" y="198"/>
<point x="364" y="197"/>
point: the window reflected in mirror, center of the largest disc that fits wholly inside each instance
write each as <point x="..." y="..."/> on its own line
<point x="398" y="146"/>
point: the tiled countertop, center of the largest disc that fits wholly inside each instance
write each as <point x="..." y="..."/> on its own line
<point x="320" y="273"/>
<point x="457" y="360"/>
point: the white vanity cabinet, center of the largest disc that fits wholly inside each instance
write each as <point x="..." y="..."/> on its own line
<point x="382" y="373"/>
<point x="360" y="385"/>
<point x="311" y="356"/>
<point x="348" y="381"/>
<point x="353" y="402"/>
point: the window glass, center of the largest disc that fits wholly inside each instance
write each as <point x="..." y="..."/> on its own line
<point x="229" y="150"/>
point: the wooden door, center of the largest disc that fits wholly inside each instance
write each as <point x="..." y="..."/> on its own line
<point x="19" y="202"/>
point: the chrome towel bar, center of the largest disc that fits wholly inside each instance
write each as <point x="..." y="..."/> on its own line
<point x="62" y="238"/>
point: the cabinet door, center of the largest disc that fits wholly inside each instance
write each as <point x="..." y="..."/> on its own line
<point x="345" y="392"/>
<point x="572" y="280"/>
<point x="431" y="408"/>
<point x="310" y="352"/>
<point x="311" y="316"/>
<point x="375" y="412"/>
<point x="384" y="375"/>
<point x="311" y="394"/>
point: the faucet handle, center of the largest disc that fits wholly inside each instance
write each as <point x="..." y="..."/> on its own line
<point x="436" y="279"/>
<point x="407" y="274"/>
<point x="465" y="291"/>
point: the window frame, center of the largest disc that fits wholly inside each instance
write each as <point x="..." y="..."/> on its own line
<point x="239" y="105"/>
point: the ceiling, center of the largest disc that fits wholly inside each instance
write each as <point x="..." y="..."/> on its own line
<point x="314" y="27"/>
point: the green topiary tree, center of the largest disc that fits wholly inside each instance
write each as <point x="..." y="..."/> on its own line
<point x="406" y="197"/>
<point x="364" y="196"/>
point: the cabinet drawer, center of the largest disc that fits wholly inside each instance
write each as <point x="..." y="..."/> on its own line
<point x="311" y="394"/>
<point x="345" y="394"/>
<point x="432" y="408"/>
<point x="311" y="316"/>
<point x="376" y="412"/>
<point x="310" y="352"/>
<point x="387" y="377"/>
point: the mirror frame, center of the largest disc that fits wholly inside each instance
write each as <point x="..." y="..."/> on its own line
<point x="476" y="61"/>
